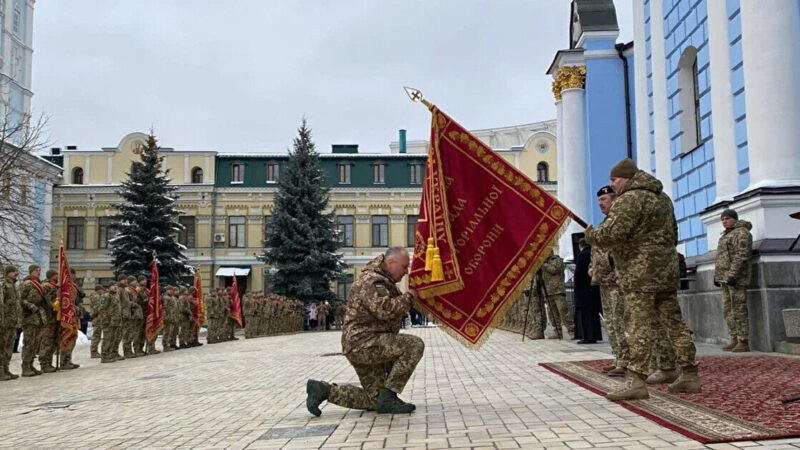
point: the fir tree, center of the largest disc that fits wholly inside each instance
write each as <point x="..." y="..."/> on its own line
<point x="147" y="221"/>
<point x="301" y="240"/>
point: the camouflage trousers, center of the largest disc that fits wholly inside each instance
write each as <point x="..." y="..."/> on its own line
<point x="734" y="307"/>
<point x="170" y="334"/>
<point x="662" y="354"/>
<point x="641" y="308"/>
<point x="129" y="332"/>
<point x="138" y="336"/>
<point x="47" y="343"/>
<point x="614" y="315"/>
<point x="97" y="336"/>
<point x="7" y="337"/>
<point x="559" y="313"/>
<point x="32" y="335"/>
<point x="386" y="361"/>
<point x="111" y="339"/>
<point x="536" y="318"/>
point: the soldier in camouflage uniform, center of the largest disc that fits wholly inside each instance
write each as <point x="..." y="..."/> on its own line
<point x="66" y="354"/>
<point x="140" y="334"/>
<point x="97" y="319"/>
<point x="170" y="325"/>
<point x="559" y="312"/>
<point x="732" y="274"/>
<point x="34" y="317"/>
<point x="9" y="321"/>
<point x="536" y="320"/>
<point x="49" y="334"/>
<point x="111" y="311"/>
<point x="248" y="309"/>
<point x="383" y="359"/>
<point x="641" y="233"/>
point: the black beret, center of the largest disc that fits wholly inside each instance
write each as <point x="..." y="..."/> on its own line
<point x="604" y="191"/>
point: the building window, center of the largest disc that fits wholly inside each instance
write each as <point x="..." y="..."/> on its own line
<point x="380" y="231"/>
<point x="237" y="173"/>
<point x="416" y="173"/>
<point x="343" y="286"/>
<point x="77" y="175"/>
<point x="344" y="173"/>
<point x="187" y="235"/>
<point x="689" y="100"/>
<point x="103" y="232"/>
<point x="379" y="173"/>
<point x="197" y="175"/>
<point x="541" y="172"/>
<point x="344" y="225"/>
<point x="411" y="230"/>
<point x="272" y="172"/>
<point x="75" y="227"/>
<point x="236" y="232"/>
<point x="267" y="226"/>
<point x="15" y="24"/>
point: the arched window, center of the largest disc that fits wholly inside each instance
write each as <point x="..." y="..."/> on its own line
<point x="541" y="172"/>
<point x="197" y="175"/>
<point x="77" y="175"/>
<point x="689" y="100"/>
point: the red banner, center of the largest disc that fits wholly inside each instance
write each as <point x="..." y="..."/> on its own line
<point x="484" y="228"/>
<point x="199" y="301"/>
<point x="236" y="305"/>
<point x="155" y="308"/>
<point x="67" y="291"/>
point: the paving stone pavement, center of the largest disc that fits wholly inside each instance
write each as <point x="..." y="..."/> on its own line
<point x="251" y="394"/>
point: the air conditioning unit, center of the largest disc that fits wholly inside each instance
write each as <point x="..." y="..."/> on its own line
<point x="219" y="237"/>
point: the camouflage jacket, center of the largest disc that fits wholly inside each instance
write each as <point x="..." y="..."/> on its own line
<point x="603" y="272"/>
<point x="553" y="276"/>
<point x="166" y="304"/>
<point x="50" y="295"/>
<point x="124" y="299"/>
<point x="32" y="303"/>
<point x="96" y="308"/>
<point x="10" y="313"/>
<point x="112" y="309"/>
<point x="375" y="306"/>
<point x="641" y="234"/>
<point x="733" y="254"/>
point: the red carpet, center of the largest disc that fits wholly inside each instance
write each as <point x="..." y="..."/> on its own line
<point x="741" y="398"/>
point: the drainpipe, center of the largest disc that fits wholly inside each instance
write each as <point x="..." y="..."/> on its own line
<point x="620" y="48"/>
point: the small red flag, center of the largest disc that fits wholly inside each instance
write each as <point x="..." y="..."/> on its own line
<point x="155" y="308"/>
<point x="236" y="306"/>
<point x="199" y="308"/>
<point x="67" y="291"/>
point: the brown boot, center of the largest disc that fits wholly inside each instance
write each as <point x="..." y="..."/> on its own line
<point x="8" y="372"/>
<point x="607" y="369"/>
<point x="635" y="388"/>
<point x="68" y="364"/>
<point x="661" y="376"/>
<point x="96" y="355"/>
<point x="688" y="382"/>
<point x="28" y="371"/>
<point x="730" y="346"/>
<point x="48" y="368"/>
<point x="4" y="376"/>
<point x="741" y="346"/>
<point x="616" y="372"/>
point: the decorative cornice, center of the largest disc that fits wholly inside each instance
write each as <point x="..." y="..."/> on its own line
<point x="569" y="77"/>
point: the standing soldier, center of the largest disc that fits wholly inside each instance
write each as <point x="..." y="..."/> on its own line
<point x="732" y="274"/>
<point x="536" y="321"/>
<point x="145" y="293"/>
<point x="185" y="321"/>
<point x="9" y="321"/>
<point x="641" y="233"/>
<point x="127" y="315"/>
<point x="66" y="354"/>
<point x="134" y="323"/>
<point x="168" y="339"/>
<point x="247" y="310"/>
<point x="604" y="276"/>
<point x="49" y="336"/>
<point x="553" y="276"/>
<point x="34" y="317"/>
<point x="114" y="321"/>
<point x="142" y="300"/>
<point x="211" y="316"/>
<point x="97" y="318"/>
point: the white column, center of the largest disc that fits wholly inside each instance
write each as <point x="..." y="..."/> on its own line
<point x="564" y="245"/>
<point x="722" y="103"/>
<point x="574" y="171"/>
<point x="87" y="165"/>
<point x="660" y="120"/>
<point x="186" y="176"/>
<point x="66" y="170"/>
<point x="770" y="37"/>
<point x="640" y="88"/>
<point x="109" y="169"/>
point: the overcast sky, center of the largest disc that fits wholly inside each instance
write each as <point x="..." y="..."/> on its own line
<point x="237" y="76"/>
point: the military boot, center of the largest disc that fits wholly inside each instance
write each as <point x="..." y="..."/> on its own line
<point x="4" y="376"/>
<point x="616" y="372"/>
<point x="318" y="392"/>
<point x="96" y="355"/>
<point x="730" y="346"/>
<point x="688" y="382"/>
<point x="661" y="376"/>
<point x="35" y="370"/>
<point x="388" y="403"/>
<point x="68" y="364"/>
<point x="536" y="335"/>
<point x="47" y="368"/>
<point x="127" y="353"/>
<point x="28" y="371"/>
<point x="635" y="388"/>
<point x="741" y="346"/>
<point x="8" y="372"/>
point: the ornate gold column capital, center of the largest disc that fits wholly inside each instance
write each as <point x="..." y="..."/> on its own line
<point x="569" y="77"/>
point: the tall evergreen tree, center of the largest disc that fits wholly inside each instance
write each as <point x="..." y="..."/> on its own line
<point x="147" y="221"/>
<point x="301" y="240"/>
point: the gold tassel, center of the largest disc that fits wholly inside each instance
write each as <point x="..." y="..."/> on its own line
<point x="429" y="255"/>
<point x="437" y="272"/>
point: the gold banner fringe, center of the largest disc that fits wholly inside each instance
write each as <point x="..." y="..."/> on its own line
<point x="512" y="298"/>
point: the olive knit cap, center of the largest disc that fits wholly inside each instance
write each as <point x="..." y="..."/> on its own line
<point x="730" y="213"/>
<point x="10" y="269"/>
<point x="49" y="274"/>
<point x="33" y="267"/>
<point x="626" y="168"/>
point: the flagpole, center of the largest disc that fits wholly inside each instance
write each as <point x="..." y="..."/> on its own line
<point x="57" y="339"/>
<point x="416" y="96"/>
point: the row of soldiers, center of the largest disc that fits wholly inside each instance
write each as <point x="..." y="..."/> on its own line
<point x="266" y="315"/>
<point x="33" y="306"/>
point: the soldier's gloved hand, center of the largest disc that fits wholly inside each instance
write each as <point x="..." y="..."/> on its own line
<point x="730" y="281"/>
<point x="716" y="283"/>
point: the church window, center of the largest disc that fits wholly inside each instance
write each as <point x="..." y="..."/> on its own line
<point x="689" y="100"/>
<point x="197" y="175"/>
<point x="77" y="175"/>
<point x="541" y="172"/>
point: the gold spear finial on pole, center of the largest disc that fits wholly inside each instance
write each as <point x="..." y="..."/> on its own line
<point x="416" y="96"/>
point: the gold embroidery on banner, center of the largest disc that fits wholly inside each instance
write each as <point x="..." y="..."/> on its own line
<point x="443" y="310"/>
<point x="471" y="329"/>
